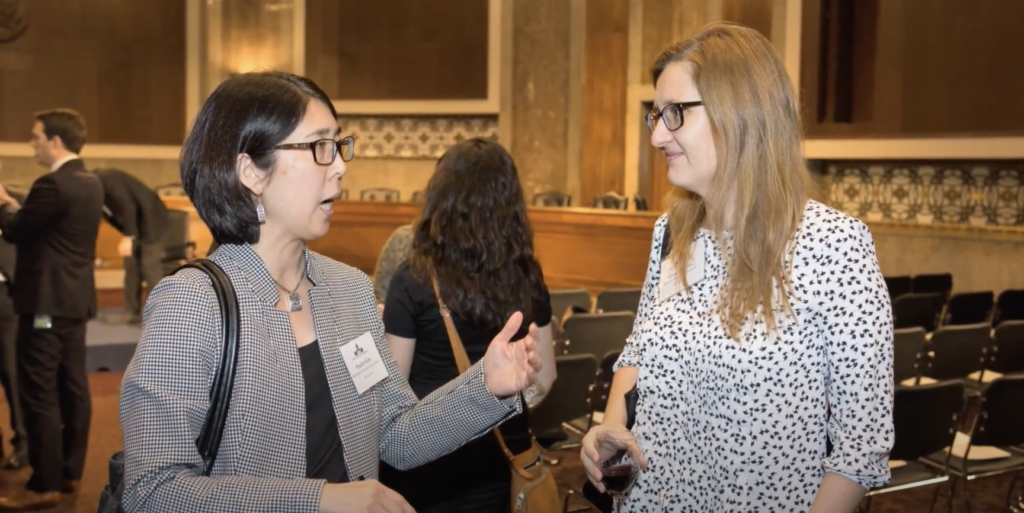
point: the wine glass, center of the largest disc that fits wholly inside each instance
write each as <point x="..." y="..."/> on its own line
<point x="618" y="474"/>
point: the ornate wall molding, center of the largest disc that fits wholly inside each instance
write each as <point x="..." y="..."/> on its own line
<point x="14" y="18"/>
<point x="413" y="137"/>
<point x="969" y="194"/>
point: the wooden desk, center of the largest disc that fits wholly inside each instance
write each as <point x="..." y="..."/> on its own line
<point x="576" y="247"/>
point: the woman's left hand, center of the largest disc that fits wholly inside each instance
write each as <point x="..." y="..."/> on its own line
<point x="511" y="367"/>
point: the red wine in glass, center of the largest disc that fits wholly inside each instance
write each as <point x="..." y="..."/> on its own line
<point x="617" y="475"/>
<point x="618" y="478"/>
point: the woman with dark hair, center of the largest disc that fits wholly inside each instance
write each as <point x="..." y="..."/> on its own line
<point x="262" y="165"/>
<point x="474" y="237"/>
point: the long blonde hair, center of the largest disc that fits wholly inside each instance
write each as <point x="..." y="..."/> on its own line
<point x="761" y="174"/>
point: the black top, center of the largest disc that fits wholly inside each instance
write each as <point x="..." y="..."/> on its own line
<point x="411" y="311"/>
<point x="325" y="457"/>
<point x="55" y="234"/>
<point x="132" y="207"/>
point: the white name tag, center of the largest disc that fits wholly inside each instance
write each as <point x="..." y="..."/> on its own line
<point x="364" y="362"/>
<point x="669" y="284"/>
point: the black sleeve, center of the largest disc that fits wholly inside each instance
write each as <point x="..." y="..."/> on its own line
<point x="42" y="204"/>
<point x="121" y="203"/>
<point x="542" y="314"/>
<point x="400" y="309"/>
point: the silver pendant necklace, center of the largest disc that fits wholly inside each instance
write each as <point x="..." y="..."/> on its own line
<point x="294" y="301"/>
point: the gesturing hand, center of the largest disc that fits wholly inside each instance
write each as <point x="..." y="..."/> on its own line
<point x="511" y="367"/>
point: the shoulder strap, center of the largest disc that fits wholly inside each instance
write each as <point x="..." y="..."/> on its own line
<point x="666" y="242"/>
<point x="220" y="391"/>
<point x="462" y="362"/>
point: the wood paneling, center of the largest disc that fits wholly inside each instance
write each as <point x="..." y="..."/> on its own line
<point x="397" y="50"/>
<point x="593" y="249"/>
<point x="598" y="249"/>
<point x="121" y="63"/>
<point x="940" y="67"/>
<point x="577" y="247"/>
<point x="604" y="98"/>
<point x="359" y="230"/>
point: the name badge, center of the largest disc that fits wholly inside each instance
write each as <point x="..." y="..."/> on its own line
<point x="42" y="322"/>
<point x="670" y="284"/>
<point x="363" y="362"/>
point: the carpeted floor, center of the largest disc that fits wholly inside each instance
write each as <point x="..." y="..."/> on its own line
<point x="988" y="495"/>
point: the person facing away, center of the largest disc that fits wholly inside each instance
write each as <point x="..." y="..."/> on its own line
<point x="262" y="165"/>
<point x="8" y="353"/>
<point x="393" y="255"/>
<point x="473" y="235"/>
<point x="764" y="329"/>
<point x="140" y="215"/>
<point x="54" y="296"/>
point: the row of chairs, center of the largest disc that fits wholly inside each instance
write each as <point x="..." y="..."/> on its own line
<point x="934" y="435"/>
<point x="932" y="309"/>
<point x="608" y="200"/>
<point x="608" y="300"/>
<point x="374" y="194"/>
<point x="921" y="284"/>
<point x="937" y="427"/>
<point x="958" y="352"/>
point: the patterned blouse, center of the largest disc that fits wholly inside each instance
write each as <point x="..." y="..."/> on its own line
<point x="395" y="252"/>
<point x="733" y="426"/>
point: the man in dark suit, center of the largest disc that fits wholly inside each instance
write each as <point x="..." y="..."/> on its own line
<point x="8" y="358"/>
<point x="54" y="296"/>
<point x="137" y="212"/>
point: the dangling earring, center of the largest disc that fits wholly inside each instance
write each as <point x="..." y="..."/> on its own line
<point x="261" y="214"/>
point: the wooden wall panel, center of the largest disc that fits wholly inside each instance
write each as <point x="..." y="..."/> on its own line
<point x="398" y="50"/>
<point x="598" y="249"/>
<point x="940" y="67"/>
<point x="121" y="63"/>
<point x="604" y="98"/>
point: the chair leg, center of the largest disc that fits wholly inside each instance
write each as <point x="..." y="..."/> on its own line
<point x="565" y="504"/>
<point x="967" y="495"/>
<point x="950" y="493"/>
<point x="935" y="497"/>
<point x="549" y="457"/>
<point x="1009" y="495"/>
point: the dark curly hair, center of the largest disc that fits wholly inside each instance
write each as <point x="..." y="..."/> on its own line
<point x="474" y="234"/>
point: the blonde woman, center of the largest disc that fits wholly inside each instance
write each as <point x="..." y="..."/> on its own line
<point x="764" y="336"/>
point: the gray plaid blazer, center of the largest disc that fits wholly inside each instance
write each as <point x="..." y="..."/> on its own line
<point x="261" y="464"/>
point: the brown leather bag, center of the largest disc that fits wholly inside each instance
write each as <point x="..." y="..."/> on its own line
<point x="533" y="485"/>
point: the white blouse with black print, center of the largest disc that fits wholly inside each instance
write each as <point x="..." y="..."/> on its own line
<point x="733" y="426"/>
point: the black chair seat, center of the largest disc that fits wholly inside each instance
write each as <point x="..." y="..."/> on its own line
<point x="980" y="468"/>
<point x="913" y="473"/>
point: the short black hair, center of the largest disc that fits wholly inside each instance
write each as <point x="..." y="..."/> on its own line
<point x="247" y="113"/>
<point x="67" y="124"/>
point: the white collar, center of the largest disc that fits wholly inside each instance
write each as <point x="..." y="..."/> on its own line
<point x="61" y="162"/>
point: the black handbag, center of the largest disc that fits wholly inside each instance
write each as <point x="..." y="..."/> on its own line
<point x="220" y="392"/>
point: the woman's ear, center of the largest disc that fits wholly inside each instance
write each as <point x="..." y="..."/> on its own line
<point x="252" y="177"/>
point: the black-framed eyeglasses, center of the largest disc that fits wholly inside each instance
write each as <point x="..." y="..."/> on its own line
<point x="325" y="150"/>
<point x="672" y="115"/>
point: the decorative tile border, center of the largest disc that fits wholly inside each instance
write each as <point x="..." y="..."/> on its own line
<point x="977" y="194"/>
<point x="414" y="137"/>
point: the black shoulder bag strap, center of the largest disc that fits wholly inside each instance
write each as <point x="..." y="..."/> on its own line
<point x="220" y="391"/>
